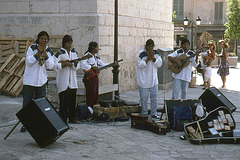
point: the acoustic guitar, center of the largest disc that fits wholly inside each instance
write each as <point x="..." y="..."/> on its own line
<point x="173" y="67"/>
<point x="91" y="73"/>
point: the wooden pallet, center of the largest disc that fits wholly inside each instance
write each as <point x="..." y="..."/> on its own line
<point x="23" y="43"/>
<point x="11" y="75"/>
<point x="55" y="42"/>
<point x="7" y="50"/>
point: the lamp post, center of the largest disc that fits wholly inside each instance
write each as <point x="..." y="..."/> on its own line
<point x="186" y="21"/>
<point x="115" y="70"/>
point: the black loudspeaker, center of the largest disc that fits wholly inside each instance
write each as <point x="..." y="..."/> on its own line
<point x="42" y="121"/>
<point x="212" y="98"/>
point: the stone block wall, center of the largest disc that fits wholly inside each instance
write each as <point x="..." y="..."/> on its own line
<point x="93" y="20"/>
<point x="139" y="20"/>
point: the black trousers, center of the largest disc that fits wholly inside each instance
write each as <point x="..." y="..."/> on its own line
<point x="31" y="92"/>
<point x="68" y="104"/>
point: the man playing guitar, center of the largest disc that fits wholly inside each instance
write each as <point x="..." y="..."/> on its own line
<point x="184" y="65"/>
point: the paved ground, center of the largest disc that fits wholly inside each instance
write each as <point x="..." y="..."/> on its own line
<point x="117" y="140"/>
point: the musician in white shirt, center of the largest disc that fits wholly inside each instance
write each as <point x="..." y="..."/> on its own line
<point x="66" y="79"/>
<point x="182" y="79"/>
<point x="92" y="63"/>
<point x="148" y="62"/>
<point x="38" y="59"/>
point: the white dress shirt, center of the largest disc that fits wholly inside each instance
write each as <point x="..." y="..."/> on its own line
<point x="147" y="72"/>
<point x="186" y="72"/>
<point x="67" y="76"/>
<point x="34" y="74"/>
<point x="94" y="61"/>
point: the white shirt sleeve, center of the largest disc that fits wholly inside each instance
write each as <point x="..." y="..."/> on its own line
<point x="158" y="62"/>
<point x="101" y="63"/>
<point x="174" y="54"/>
<point x="141" y="63"/>
<point x="50" y="61"/>
<point x="30" y="59"/>
<point x="85" y="65"/>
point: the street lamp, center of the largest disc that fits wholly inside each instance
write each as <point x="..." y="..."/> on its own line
<point x="186" y="21"/>
<point x="115" y="70"/>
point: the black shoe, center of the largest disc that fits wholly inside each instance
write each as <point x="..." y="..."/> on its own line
<point x="23" y="129"/>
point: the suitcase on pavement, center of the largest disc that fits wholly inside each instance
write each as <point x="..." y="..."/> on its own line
<point x="213" y="98"/>
<point x="42" y="121"/>
<point x="169" y="105"/>
<point x="217" y="127"/>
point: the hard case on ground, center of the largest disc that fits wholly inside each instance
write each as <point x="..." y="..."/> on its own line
<point x="42" y="121"/>
<point x="169" y="104"/>
<point x="213" y="98"/>
<point x="217" y="127"/>
<point x="143" y="122"/>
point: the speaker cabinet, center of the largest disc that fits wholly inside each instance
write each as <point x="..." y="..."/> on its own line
<point x="212" y="98"/>
<point x="42" y="121"/>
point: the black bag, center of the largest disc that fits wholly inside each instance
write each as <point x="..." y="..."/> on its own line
<point x="82" y="112"/>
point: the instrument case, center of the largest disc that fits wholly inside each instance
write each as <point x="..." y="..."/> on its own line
<point x="213" y="98"/>
<point x="143" y="122"/>
<point x="217" y="127"/>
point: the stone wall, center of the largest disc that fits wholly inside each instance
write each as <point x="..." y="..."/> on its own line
<point x="93" y="20"/>
<point x="138" y="21"/>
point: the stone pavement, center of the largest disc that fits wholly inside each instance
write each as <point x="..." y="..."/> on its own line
<point x="117" y="140"/>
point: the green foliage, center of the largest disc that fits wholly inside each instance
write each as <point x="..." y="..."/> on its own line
<point x="233" y="15"/>
<point x="174" y="15"/>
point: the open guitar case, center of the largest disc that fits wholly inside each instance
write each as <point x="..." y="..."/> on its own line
<point x="219" y="125"/>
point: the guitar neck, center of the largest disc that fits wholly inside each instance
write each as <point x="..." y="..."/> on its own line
<point x="79" y="59"/>
<point x="109" y="65"/>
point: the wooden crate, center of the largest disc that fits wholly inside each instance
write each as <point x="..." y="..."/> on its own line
<point x="11" y="75"/>
<point x="114" y="112"/>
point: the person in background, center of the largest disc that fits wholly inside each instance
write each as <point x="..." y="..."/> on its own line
<point x="223" y="70"/>
<point x="66" y="79"/>
<point x="182" y="79"/>
<point x="208" y="75"/>
<point x="203" y="54"/>
<point x="148" y="62"/>
<point x="211" y="54"/>
<point x="38" y="59"/>
<point x="208" y="56"/>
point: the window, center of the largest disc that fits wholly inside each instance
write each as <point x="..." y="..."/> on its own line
<point x="178" y="6"/>
<point x="218" y="16"/>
